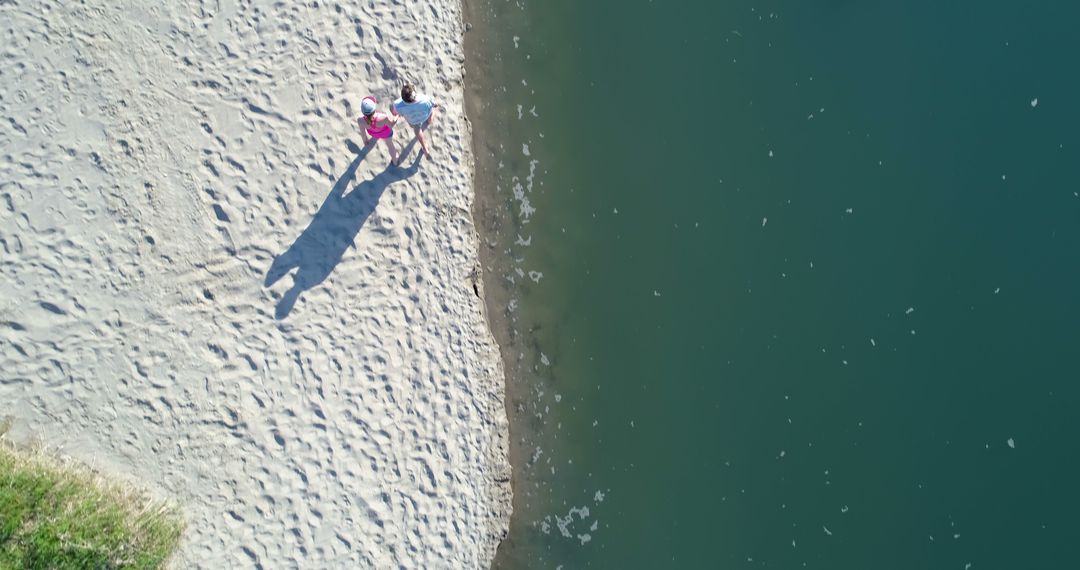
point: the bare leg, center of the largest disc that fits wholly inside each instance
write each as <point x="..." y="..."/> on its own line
<point x="393" y="151"/>
<point x="423" y="140"/>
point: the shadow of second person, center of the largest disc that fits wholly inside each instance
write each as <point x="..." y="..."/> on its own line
<point x="322" y="244"/>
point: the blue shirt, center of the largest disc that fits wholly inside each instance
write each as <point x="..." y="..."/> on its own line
<point x="416" y="112"/>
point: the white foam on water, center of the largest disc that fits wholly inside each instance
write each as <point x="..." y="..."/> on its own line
<point x="564" y="523"/>
<point x="524" y="206"/>
<point x="532" y="173"/>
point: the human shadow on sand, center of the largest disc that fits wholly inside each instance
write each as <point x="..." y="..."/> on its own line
<point x="320" y="247"/>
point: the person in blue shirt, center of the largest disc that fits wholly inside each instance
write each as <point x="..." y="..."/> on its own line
<point x="418" y="110"/>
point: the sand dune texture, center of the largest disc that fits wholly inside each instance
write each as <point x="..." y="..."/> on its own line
<point x="206" y="288"/>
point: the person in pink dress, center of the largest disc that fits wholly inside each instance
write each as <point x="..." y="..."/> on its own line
<point x="375" y="125"/>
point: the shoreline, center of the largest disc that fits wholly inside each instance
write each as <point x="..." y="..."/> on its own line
<point x="487" y="291"/>
<point x="493" y="216"/>
<point x="489" y="213"/>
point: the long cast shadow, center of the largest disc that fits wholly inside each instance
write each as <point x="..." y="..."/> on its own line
<point x="320" y="247"/>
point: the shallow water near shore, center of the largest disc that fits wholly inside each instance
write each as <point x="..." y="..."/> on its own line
<point x="783" y="285"/>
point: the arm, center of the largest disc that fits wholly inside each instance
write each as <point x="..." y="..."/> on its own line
<point x="363" y="131"/>
<point x="434" y="110"/>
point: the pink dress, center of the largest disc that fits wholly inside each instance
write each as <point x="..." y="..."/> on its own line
<point x="377" y="132"/>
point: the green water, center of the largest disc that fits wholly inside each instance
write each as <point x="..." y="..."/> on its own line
<point x="808" y="268"/>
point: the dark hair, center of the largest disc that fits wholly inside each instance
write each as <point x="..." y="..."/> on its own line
<point x="408" y="94"/>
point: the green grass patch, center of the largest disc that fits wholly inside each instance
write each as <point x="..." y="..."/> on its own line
<point x="56" y="514"/>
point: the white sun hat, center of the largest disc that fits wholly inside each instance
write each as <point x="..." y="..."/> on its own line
<point x="367" y="105"/>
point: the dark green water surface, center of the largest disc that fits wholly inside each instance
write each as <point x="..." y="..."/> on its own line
<point x="792" y="284"/>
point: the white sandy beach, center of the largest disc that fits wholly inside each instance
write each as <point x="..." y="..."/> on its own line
<point x="206" y="291"/>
